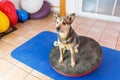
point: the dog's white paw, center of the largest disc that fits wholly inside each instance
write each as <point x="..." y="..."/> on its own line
<point x="60" y="60"/>
<point x="76" y="50"/>
<point x="55" y="43"/>
<point x="73" y="64"/>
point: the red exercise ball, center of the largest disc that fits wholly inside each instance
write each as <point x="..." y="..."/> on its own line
<point x="8" y="8"/>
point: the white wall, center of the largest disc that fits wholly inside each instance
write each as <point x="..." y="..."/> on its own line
<point x="55" y="4"/>
<point x="70" y="5"/>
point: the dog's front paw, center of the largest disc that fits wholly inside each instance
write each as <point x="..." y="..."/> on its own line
<point x="76" y="50"/>
<point x="55" y="43"/>
<point x="73" y="64"/>
<point x="60" y="60"/>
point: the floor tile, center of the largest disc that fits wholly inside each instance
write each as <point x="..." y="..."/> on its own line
<point x="77" y="21"/>
<point x="81" y="31"/>
<point x="85" y="26"/>
<point x="14" y="39"/>
<point x="10" y="37"/>
<point x="118" y="47"/>
<point x="107" y="44"/>
<point x="89" y="21"/>
<point x="109" y="38"/>
<point x="6" y="49"/>
<point x="94" y="35"/>
<point x="11" y="59"/>
<point x="23" y="29"/>
<point x="30" y="77"/>
<point x="4" y="66"/>
<point x="30" y="34"/>
<point x="14" y="74"/>
<point x="40" y="75"/>
<point x="101" y="23"/>
<point x="2" y="43"/>
<point x="51" y="27"/>
<point x="114" y="25"/>
<point x="24" y="67"/>
<point x="111" y="31"/>
<point x="97" y="28"/>
<point x="118" y="41"/>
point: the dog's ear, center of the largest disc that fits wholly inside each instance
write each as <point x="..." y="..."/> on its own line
<point x="71" y="18"/>
<point x="56" y="15"/>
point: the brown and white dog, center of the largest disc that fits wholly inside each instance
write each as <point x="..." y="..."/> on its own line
<point x="67" y="38"/>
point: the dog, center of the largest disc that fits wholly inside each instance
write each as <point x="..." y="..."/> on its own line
<point x="67" y="37"/>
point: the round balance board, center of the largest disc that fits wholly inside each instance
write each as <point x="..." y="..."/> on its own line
<point x="87" y="60"/>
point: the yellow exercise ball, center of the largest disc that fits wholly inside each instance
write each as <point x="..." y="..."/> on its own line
<point x="4" y="22"/>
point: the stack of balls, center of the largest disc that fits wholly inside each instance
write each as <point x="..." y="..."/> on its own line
<point x="11" y="12"/>
<point x="8" y="15"/>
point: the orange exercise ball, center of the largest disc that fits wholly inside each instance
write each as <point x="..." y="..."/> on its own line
<point x="4" y="22"/>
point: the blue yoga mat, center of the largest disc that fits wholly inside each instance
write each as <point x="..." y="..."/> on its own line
<point x="35" y="53"/>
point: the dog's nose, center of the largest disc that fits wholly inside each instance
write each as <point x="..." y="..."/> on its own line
<point x="57" y="28"/>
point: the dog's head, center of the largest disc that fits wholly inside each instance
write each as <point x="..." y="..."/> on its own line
<point x="63" y="24"/>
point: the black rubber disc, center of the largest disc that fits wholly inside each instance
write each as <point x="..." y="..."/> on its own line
<point x="87" y="60"/>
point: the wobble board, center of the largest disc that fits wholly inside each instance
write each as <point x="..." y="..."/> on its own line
<point x="87" y="60"/>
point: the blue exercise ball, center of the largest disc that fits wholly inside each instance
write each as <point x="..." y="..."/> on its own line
<point x="22" y="15"/>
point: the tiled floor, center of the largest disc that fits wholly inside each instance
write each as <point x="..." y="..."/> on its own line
<point x="106" y="33"/>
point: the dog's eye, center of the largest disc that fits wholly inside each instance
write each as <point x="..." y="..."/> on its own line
<point x="64" y="23"/>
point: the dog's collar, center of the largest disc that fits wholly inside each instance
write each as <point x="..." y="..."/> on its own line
<point x="68" y="39"/>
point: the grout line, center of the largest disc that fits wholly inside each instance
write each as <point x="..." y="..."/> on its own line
<point x="23" y="69"/>
<point x="12" y="44"/>
<point x="90" y="28"/>
<point x="117" y="39"/>
<point x="26" y="76"/>
<point x="103" y="32"/>
<point x="7" y="70"/>
<point x="10" y="61"/>
<point x="35" y="76"/>
<point x="15" y="65"/>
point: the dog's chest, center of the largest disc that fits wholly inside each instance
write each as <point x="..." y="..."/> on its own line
<point x="66" y="46"/>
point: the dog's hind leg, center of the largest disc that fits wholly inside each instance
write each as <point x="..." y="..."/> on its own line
<point x="61" y="55"/>
<point x="72" y="57"/>
<point x="76" y="48"/>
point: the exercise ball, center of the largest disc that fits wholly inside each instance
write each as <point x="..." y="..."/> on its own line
<point x="4" y="22"/>
<point x="8" y="8"/>
<point x="16" y="3"/>
<point x="22" y="15"/>
<point x="44" y="11"/>
<point x="31" y="6"/>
